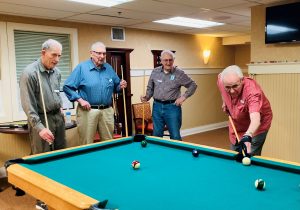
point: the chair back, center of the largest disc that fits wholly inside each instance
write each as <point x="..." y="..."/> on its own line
<point x="138" y="118"/>
<point x="138" y="110"/>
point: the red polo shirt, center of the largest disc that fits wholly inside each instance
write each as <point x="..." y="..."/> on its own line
<point x="251" y="99"/>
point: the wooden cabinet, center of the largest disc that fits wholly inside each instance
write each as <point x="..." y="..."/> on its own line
<point x="119" y="59"/>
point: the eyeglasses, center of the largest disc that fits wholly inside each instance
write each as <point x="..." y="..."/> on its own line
<point x="235" y="86"/>
<point x="99" y="53"/>
<point x="166" y="60"/>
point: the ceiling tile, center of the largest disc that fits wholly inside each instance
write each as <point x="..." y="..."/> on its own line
<point x="102" y="20"/>
<point x="131" y="14"/>
<point x="22" y="10"/>
<point x="61" y="5"/>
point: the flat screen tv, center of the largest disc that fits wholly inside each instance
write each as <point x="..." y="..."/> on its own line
<point x="283" y="23"/>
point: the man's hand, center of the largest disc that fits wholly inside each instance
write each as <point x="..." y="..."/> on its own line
<point x="123" y="84"/>
<point x="143" y="99"/>
<point x="84" y="104"/>
<point x="46" y="135"/>
<point x="179" y="101"/>
<point x="246" y="142"/>
<point x="243" y="145"/>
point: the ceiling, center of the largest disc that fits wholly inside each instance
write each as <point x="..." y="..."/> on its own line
<point x="140" y="13"/>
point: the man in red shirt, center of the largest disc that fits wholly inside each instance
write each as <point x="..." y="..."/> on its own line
<point x="249" y="108"/>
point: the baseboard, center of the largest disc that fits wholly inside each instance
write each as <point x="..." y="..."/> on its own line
<point x="204" y="128"/>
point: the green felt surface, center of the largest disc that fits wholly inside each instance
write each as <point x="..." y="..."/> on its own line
<point x="170" y="178"/>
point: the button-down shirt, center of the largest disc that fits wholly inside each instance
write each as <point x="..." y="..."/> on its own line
<point x="95" y="85"/>
<point x="252" y="99"/>
<point x="166" y="86"/>
<point x="30" y="92"/>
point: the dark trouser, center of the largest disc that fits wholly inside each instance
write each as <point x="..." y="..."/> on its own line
<point x="167" y="114"/>
<point x="57" y="127"/>
<point x="256" y="145"/>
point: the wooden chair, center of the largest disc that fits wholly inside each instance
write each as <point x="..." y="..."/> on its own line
<point x="138" y="118"/>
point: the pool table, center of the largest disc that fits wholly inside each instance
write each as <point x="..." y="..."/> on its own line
<point x="169" y="178"/>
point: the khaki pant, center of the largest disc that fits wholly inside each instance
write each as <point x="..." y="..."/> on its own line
<point x="89" y="122"/>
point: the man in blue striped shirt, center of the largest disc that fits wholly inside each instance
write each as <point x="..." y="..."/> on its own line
<point x="92" y="84"/>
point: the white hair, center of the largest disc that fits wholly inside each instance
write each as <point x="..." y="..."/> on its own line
<point x="169" y="52"/>
<point x="232" y="69"/>
<point x="96" y="45"/>
<point x="51" y="43"/>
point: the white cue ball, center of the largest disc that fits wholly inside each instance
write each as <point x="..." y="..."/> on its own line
<point x="246" y="161"/>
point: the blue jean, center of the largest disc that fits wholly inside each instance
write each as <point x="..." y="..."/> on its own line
<point x="167" y="114"/>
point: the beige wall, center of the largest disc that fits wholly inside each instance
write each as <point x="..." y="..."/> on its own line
<point x="260" y="52"/>
<point x="242" y="55"/>
<point x="201" y="109"/>
<point x="282" y="89"/>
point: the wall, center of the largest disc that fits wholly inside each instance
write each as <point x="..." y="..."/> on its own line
<point x="260" y="52"/>
<point x="281" y="86"/>
<point x="242" y="55"/>
<point x="202" y="109"/>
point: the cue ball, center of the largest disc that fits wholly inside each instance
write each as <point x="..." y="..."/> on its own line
<point x="135" y="164"/>
<point x="144" y="143"/>
<point x="195" y="152"/>
<point x="246" y="161"/>
<point x="260" y="184"/>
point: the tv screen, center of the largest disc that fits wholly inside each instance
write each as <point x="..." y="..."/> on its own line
<point x="283" y="23"/>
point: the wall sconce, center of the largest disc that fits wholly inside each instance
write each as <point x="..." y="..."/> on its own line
<point x="206" y="54"/>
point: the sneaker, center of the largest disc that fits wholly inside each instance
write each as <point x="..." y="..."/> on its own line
<point x="41" y="205"/>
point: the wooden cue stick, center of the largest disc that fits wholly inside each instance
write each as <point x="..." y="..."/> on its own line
<point x="235" y="132"/>
<point x="124" y="102"/>
<point x="113" y="95"/>
<point x="143" y="116"/>
<point x="44" y="108"/>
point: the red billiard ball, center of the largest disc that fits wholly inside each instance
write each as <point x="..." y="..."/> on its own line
<point x="195" y="152"/>
<point x="135" y="164"/>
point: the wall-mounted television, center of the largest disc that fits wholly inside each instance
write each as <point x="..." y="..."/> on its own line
<point x="283" y="23"/>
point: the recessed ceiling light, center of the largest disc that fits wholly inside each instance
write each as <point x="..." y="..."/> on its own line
<point x="103" y="3"/>
<point x="189" y="22"/>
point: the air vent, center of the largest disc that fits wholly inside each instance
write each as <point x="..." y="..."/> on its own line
<point x="117" y="34"/>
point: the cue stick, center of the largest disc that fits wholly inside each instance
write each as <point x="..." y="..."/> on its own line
<point x="235" y="132"/>
<point x="124" y="102"/>
<point x="113" y="95"/>
<point x="143" y="116"/>
<point x="44" y="109"/>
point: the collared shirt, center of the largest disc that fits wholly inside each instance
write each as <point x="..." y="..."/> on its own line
<point x="166" y="86"/>
<point x="30" y="92"/>
<point x="252" y="99"/>
<point x="92" y="84"/>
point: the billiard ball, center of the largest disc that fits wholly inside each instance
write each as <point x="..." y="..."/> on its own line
<point x="195" y="152"/>
<point x="246" y="161"/>
<point x="260" y="184"/>
<point x="135" y="164"/>
<point x="144" y="143"/>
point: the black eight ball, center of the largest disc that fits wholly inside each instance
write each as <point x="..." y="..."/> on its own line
<point x="195" y="152"/>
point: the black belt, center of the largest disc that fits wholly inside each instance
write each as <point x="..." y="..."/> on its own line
<point x="100" y="106"/>
<point x="53" y="112"/>
<point x="165" y="102"/>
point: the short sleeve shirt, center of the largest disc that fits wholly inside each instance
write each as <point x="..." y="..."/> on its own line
<point x="252" y="99"/>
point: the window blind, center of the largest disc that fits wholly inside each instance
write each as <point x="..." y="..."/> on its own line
<point x="28" y="46"/>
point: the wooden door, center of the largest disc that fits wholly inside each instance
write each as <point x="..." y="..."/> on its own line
<point x="119" y="59"/>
